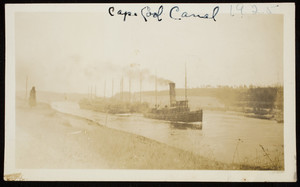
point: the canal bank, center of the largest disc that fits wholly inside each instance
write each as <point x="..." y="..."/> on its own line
<point x="225" y="136"/>
<point x="47" y="139"/>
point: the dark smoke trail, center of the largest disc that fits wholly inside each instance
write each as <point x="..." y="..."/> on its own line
<point x="134" y="72"/>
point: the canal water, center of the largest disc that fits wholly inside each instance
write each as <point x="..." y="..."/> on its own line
<point x="225" y="136"/>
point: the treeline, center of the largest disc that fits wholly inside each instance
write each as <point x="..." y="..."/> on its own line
<point x="255" y="98"/>
<point x="248" y="98"/>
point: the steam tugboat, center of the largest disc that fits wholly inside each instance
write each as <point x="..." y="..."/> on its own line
<point x="178" y="111"/>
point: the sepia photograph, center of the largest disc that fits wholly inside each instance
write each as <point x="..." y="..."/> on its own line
<point x="184" y="91"/>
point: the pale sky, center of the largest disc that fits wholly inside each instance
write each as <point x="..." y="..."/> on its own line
<point x="68" y="52"/>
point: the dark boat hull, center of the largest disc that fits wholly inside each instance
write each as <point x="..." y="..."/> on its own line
<point x="194" y="116"/>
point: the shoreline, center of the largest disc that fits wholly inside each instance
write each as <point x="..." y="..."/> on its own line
<point x="46" y="138"/>
<point x="74" y="142"/>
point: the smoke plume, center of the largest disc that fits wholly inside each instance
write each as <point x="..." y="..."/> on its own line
<point x="134" y="72"/>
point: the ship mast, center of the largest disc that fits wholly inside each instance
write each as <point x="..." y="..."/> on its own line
<point x="121" y="88"/>
<point x="112" y="88"/>
<point x="185" y="91"/>
<point x="26" y="87"/>
<point x="155" y="90"/>
<point x="129" y="84"/>
<point x="104" y="90"/>
<point x="140" y="87"/>
<point x="91" y="90"/>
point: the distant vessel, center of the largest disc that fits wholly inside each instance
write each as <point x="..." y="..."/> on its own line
<point x="112" y="106"/>
<point x="122" y="107"/>
<point x="178" y="111"/>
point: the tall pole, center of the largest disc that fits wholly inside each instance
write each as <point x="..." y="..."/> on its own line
<point x="129" y="89"/>
<point x="122" y="89"/>
<point x="140" y="87"/>
<point x="26" y="87"/>
<point x="155" y="89"/>
<point x="95" y="91"/>
<point x="112" y="87"/>
<point x="91" y="92"/>
<point x="185" y="84"/>
<point x="104" y="89"/>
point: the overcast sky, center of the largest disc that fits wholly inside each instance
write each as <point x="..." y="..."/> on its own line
<point x="68" y="52"/>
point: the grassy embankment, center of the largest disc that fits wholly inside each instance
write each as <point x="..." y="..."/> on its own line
<point x="49" y="139"/>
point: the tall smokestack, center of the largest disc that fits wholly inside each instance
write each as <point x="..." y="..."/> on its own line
<point x="172" y="94"/>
